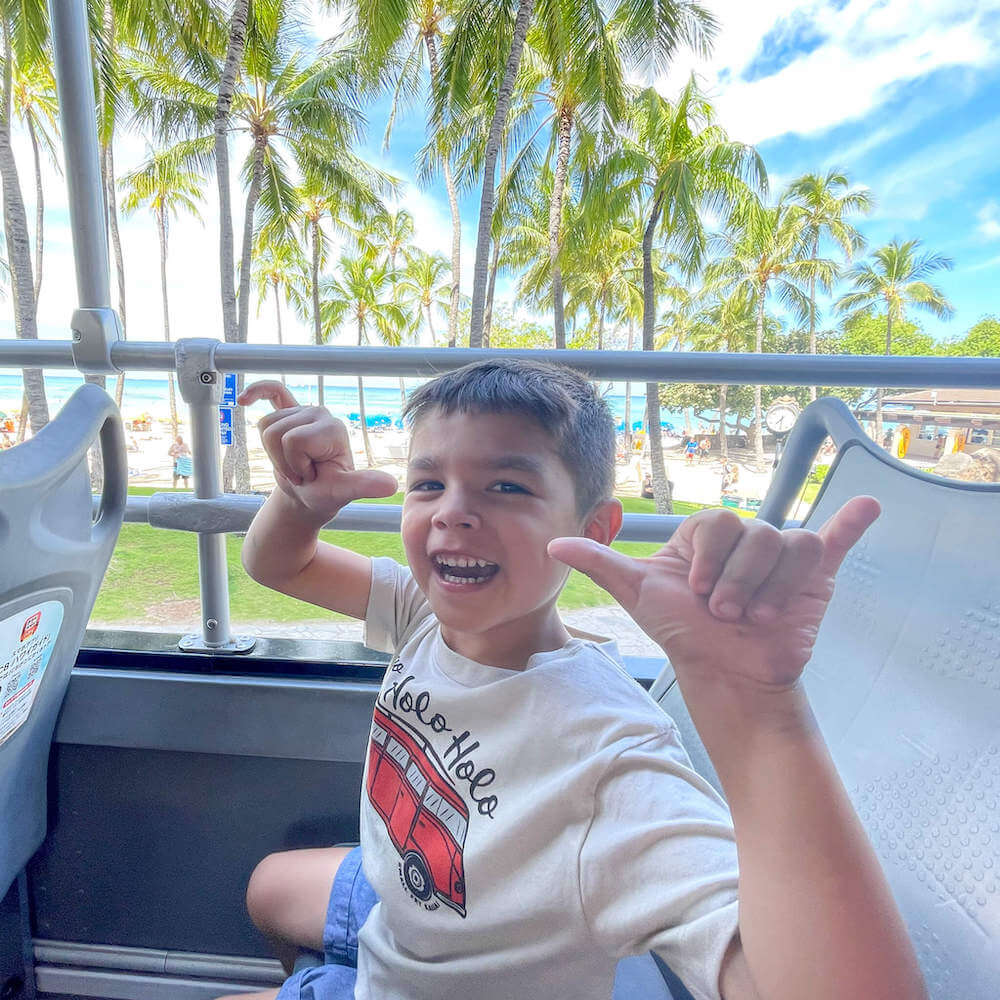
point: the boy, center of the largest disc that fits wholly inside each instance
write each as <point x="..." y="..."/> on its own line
<point x="528" y="815"/>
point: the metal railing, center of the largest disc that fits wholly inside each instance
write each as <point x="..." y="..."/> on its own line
<point x="200" y="363"/>
<point x="96" y="347"/>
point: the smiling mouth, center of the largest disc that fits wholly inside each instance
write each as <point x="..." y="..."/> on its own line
<point x="464" y="569"/>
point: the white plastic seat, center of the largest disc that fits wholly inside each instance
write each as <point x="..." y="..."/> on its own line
<point x="905" y="683"/>
<point x="53" y="555"/>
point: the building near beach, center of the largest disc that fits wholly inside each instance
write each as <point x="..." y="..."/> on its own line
<point x="941" y="421"/>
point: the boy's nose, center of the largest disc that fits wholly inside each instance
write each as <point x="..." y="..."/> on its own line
<point x="456" y="514"/>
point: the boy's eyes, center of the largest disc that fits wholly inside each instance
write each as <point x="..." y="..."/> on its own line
<point x="430" y="485"/>
<point x="508" y="488"/>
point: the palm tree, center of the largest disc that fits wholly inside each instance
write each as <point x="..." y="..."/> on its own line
<point x="892" y="280"/>
<point x="189" y="26"/>
<point x="767" y="254"/>
<point x="279" y="267"/>
<point x="362" y="293"/>
<point x="25" y="29"/>
<point x="422" y="286"/>
<point x="389" y="232"/>
<point x="288" y="107"/>
<point x="393" y="37"/>
<point x="646" y="33"/>
<point x="676" y="163"/>
<point x="578" y="83"/>
<point x="166" y="188"/>
<point x="730" y="325"/>
<point x="35" y="102"/>
<point x="821" y="203"/>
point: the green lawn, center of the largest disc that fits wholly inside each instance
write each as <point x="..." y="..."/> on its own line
<point x="153" y="575"/>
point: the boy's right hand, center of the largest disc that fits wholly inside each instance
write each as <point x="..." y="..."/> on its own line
<point x="311" y="453"/>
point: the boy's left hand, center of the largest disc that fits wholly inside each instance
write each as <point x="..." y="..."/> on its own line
<point x="732" y="596"/>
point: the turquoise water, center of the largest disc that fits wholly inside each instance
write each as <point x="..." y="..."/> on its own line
<point x="148" y="394"/>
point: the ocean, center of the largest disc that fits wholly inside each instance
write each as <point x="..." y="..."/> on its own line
<point x="146" y="393"/>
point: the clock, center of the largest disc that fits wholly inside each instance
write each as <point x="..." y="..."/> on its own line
<point x="781" y="416"/>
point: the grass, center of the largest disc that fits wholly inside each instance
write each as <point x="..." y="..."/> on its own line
<point x="153" y="575"/>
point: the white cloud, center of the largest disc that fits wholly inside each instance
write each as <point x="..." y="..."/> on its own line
<point x="868" y="50"/>
<point x="989" y="220"/>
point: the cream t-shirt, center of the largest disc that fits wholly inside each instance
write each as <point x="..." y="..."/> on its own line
<point x="524" y="829"/>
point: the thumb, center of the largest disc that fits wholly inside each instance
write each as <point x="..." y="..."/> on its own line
<point x="618" y="574"/>
<point x="369" y="484"/>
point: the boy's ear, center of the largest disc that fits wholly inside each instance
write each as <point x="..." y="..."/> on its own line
<point x="605" y="522"/>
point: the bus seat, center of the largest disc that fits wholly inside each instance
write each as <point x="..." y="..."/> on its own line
<point x="905" y="684"/>
<point x="53" y="555"/>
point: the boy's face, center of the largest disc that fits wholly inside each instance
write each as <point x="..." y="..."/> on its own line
<point x="489" y="491"/>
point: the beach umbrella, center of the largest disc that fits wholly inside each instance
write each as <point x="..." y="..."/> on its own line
<point x="637" y="426"/>
<point x="621" y="426"/>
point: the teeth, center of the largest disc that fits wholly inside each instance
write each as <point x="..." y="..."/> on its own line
<point x="464" y="579"/>
<point x="462" y="561"/>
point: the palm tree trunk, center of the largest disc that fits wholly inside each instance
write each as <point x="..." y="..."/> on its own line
<point x="227" y="84"/>
<point x="227" y="267"/>
<point x="317" y="325"/>
<point x="361" y="404"/>
<point x="494" y="262"/>
<point x="524" y="12"/>
<point x="490" y="292"/>
<point x="237" y="463"/>
<point x="628" y="394"/>
<point x="277" y="311"/>
<point x="812" y="310"/>
<point x="555" y="218"/>
<point x="19" y="251"/>
<point x="600" y="326"/>
<point x="161" y="230"/>
<point x="39" y="207"/>
<point x="111" y="197"/>
<point x="456" y="218"/>
<point x="430" y="325"/>
<point x="661" y="485"/>
<point x="758" y="418"/>
<point x="880" y="393"/>
<point x="723" y="444"/>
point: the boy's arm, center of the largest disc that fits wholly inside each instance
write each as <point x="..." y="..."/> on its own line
<point x="282" y="550"/>
<point x="315" y="475"/>
<point x="817" y="918"/>
<point x="736" y="605"/>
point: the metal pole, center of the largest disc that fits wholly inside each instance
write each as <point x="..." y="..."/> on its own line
<point x="95" y="326"/>
<point x="75" y="83"/>
<point x="200" y="388"/>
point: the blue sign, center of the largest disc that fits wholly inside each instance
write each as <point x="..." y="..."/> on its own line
<point x="226" y="424"/>
<point x="229" y="389"/>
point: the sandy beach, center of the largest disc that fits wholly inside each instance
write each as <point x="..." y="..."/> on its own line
<point x="697" y="482"/>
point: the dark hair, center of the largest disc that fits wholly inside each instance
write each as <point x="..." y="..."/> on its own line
<point x="562" y="401"/>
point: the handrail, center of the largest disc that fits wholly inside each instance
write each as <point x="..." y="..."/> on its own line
<point x="635" y="366"/>
<point x="233" y="512"/>
<point x="199" y="360"/>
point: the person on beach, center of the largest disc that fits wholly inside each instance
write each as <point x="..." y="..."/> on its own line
<point x="528" y="813"/>
<point x="704" y="448"/>
<point x="690" y="450"/>
<point x="181" y="454"/>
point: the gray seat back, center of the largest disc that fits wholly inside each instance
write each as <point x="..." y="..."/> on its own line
<point x="905" y="683"/>
<point x="52" y="558"/>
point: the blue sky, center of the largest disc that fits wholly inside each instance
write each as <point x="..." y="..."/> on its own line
<point x="904" y="95"/>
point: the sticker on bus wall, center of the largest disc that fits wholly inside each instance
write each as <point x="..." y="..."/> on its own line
<point x="26" y="642"/>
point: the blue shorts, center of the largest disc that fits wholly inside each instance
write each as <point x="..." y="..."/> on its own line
<point x="351" y="900"/>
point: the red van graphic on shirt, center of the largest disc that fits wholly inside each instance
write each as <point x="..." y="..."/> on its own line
<point x="426" y="818"/>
